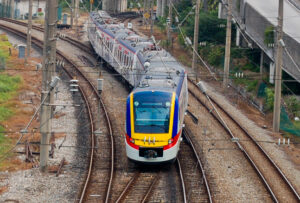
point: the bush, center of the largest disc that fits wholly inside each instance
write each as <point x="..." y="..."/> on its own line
<point x="236" y="53"/>
<point x="269" y="99"/>
<point x="251" y="67"/>
<point x="269" y="35"/>
<point x="251" y="86"/>
<point x="215" y="55"/>
<point x="293" y="105"/>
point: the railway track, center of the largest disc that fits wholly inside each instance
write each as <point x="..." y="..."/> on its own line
<point x="196" y="181"/>
<point x="89" y="94"/>
<point x="94" y="194"/>
<point x="276" y="183"/>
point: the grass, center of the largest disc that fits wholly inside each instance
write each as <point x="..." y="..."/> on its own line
<point x="4" y="47"/>
<point x="5" y="143"/>
<point x="8" y="87"/>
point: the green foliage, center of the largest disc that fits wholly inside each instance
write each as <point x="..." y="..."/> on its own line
<point x="252" y="85"/>
<point x="293" y="105"/>
<point x="215" y="55"/>
<point x="236" y="53"/>
<point x="40" y="14"/>
<point x="4" y="142"/>
<point x="209" y="29"/>
<point x="4" y="47"/>
<point x="8" y="86"/>
<point x="252" y="67"/>
<point x="269" y="35"/>
<point x="269" y="99"/>
<point x="5" y="113"/>
<point x="161" y="23"/>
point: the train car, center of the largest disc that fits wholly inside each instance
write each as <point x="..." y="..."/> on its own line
<point x="156" y="107"/>
<point x="155" y="112"/>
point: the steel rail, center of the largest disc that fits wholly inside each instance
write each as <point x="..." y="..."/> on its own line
<point x="181" y="180"/>
<point x="69" y="39"/>
<point x="39" y="44"/>
<point x="150" y="188"/>
<point x="240" y="147"/>
<point x="190" y="141"/>
<point x="277" y="169"/>
<point x="126" y="189"/>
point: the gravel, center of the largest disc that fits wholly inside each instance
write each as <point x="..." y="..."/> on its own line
<point x="277" y="153"/>
<point x="32" y="185"/>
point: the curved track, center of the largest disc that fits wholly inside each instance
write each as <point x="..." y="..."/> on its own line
<point x="279" y="187"/>
<point x="74" y="71"/>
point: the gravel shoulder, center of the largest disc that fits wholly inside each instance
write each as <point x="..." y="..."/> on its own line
<point x="280" y="154"/>
<point x="33" y="186"/>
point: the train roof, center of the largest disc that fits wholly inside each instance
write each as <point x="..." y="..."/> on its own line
<point x="162" y="72"/>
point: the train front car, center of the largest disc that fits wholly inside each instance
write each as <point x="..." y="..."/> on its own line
<point x="154" y="119"/>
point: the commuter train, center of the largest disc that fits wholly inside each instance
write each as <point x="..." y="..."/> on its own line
<point x="156" y="107"/>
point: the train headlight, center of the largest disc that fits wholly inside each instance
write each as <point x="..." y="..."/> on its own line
<point x="170" y="141"/>
<point x="131" y="140"/>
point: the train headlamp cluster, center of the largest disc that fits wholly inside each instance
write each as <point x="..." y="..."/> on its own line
<point x="170" y="141"/>
<point x="131" y="140"/>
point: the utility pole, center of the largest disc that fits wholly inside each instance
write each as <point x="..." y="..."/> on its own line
<point x="158" y="8"/>
<point x="205" y="5"/>
<point x="72" y="13"/>
<point x="228" y="45"/>
<point x="144" y="11"/>
<point x="278" y="72"/>
<point x="196" y="35"/>
<point x="91" y="5"/>
<point x="49" y="64"/>
<point x="170" y="24"/>
<point x="12" y="9"/>
<point x="163" y="8"/>
<point x="76" y="15"/>
<point x="29" y="31"/>
<point x="151" y="20"/>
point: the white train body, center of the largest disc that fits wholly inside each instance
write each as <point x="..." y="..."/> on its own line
<point x="156" y="106"/>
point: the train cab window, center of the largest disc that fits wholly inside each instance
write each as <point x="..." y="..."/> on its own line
<point x="152" y="112"/>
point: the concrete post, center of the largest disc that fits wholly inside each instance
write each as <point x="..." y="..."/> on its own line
<point x="163" y="7"/>
<point x="278" y="75"/>
<point x="170" y="25"/>
<point x="29" y="30"/>
<point x="238" y="37"/>
<point x="72" y="12"/>
<point x="272" y="71"/>
<point x="228" y="45"/>
<point x="76" y="15"/>
<point x="49" y="63"/>
<point x="196" y="34"/>
<point x="158" y="8"/>
<point x="12" y="9"/>
<point x="261" y="64"/>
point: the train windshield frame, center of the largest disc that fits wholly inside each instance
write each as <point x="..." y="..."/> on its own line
<point x="152" y="112"/>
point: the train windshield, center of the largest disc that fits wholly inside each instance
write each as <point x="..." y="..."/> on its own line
<point x="152" y="112"/>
